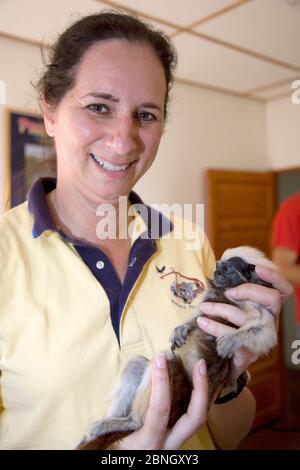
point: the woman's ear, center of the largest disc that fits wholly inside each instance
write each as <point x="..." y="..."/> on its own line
<point x="48" y="111"/>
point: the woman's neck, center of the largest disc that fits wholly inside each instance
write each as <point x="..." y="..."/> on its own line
<point x="80" y="219"/>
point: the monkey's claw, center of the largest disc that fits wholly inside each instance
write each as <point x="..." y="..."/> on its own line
<point x="179" y="336"/>
<point x="227" y="345"/>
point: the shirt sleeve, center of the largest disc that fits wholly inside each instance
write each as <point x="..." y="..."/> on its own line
<point x="286" y="228"/>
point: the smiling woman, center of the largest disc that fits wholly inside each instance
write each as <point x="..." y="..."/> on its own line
<point x="74" y="306"/>
<point x="106" y="140"/>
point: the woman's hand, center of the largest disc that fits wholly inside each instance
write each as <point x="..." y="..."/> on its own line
<point x="273" y="298"/>
<point x="154" y="434"/>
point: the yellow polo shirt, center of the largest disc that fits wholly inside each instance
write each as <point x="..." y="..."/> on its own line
<point x="59" y="351"/>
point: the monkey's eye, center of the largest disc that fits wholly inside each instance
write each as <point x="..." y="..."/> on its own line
<point x="250" y="268"/>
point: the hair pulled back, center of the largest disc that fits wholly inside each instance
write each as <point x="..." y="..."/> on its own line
<point x="67" y="52"/>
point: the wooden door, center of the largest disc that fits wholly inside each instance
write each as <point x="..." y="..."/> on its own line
<point x="240" y="207"/>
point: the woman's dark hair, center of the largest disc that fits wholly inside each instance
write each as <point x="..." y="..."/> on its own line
<point x="72" y="44"/>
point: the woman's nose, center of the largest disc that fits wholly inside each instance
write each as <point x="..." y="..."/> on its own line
<point x="122" y="136"/>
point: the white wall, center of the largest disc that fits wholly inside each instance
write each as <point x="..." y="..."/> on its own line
<point x="205" y="129"/>
<point x="19" y="65"/>
<point x="283" y="133"/>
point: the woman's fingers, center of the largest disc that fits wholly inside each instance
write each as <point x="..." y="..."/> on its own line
<point x="266" y="296"/>
<point x="278" y="281"/>
<point x="229" y="312"/>
<point x="213" y="327"/>
<point x="157" y="417"/>
<point x="154" y="434"/>
<point x="195" y="417"/>
<point x="271" y="298"/>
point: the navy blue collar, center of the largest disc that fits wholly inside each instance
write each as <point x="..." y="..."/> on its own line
<point x="157" y="224"/>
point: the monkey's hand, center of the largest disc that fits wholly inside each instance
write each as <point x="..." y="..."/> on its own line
<point x="181" y="332"/>
<point x="270" y="298"/>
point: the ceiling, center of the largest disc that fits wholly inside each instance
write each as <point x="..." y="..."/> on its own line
<point x="242" y="47"/>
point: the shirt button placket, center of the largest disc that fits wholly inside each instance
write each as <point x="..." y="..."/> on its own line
<point x="100" y="264"/>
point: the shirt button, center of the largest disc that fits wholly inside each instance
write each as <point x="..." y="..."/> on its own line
<point x="100" y="265"/>
<point x="132" y="262"/>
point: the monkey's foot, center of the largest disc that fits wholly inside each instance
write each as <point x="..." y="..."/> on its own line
<point x="227" y="345"/>
<point x="180" y="334"/>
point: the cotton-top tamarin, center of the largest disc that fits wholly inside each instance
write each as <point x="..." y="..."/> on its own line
<point x="189" y="343"/>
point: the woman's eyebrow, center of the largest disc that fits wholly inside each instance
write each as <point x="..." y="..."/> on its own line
<point x="110" y="97"/>
<point x="105" y="96"/>
<point x="151" y="105"/>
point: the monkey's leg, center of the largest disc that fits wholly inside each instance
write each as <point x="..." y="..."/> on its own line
<point x="118" y="422"/>
<point x="258" y="334"/>
<point x="123" y="395"/>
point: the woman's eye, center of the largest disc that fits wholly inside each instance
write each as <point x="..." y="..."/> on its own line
<point x="98" y="108"/>
<point x="146" y="117"/>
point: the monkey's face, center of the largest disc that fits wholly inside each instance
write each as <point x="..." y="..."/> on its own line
<point x="233" y="272"/>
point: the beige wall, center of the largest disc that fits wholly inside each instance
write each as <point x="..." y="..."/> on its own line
<point x="283" y="133"/>
<point x="18" y="67"/>
<point x="205" y="130"/>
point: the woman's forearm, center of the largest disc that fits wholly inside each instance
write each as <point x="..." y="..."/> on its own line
<point x="230" y="422"/>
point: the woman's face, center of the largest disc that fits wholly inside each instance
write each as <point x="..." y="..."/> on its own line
<point x="107" y="128"/>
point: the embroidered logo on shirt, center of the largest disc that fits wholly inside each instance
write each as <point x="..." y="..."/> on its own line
<point x="185" y="290"/>
<point x="160" y="270"/>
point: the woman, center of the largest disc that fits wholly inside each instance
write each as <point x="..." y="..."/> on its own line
<point x="82" y="304"/>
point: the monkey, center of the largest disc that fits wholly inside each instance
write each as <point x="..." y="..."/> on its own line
<point x="129" y="400"/>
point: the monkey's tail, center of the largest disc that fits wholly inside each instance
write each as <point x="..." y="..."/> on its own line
<point x="104" y="433"/>
<point x="103" y="442"/>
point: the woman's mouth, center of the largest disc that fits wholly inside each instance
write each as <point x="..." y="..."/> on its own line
<point x="109" y="166"/>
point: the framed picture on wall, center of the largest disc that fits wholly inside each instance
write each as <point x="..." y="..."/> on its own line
<point x="30" y="155"/>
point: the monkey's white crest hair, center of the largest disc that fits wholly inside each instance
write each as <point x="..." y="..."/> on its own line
<point x="250" y="255"/>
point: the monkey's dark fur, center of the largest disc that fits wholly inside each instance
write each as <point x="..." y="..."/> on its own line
<point x="130" y="400"/>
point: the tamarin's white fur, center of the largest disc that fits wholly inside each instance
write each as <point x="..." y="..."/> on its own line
<point x="129" y="400"/>
<point x="250" y="255"/>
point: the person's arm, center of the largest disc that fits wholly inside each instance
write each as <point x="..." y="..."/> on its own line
<point x="286" y="260"/>
<point x="230" y="422"/>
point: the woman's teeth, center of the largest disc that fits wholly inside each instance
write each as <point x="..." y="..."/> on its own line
<point x="109" y="166"/>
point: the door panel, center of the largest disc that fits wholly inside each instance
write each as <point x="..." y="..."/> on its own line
<point x="240" y="208"/>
